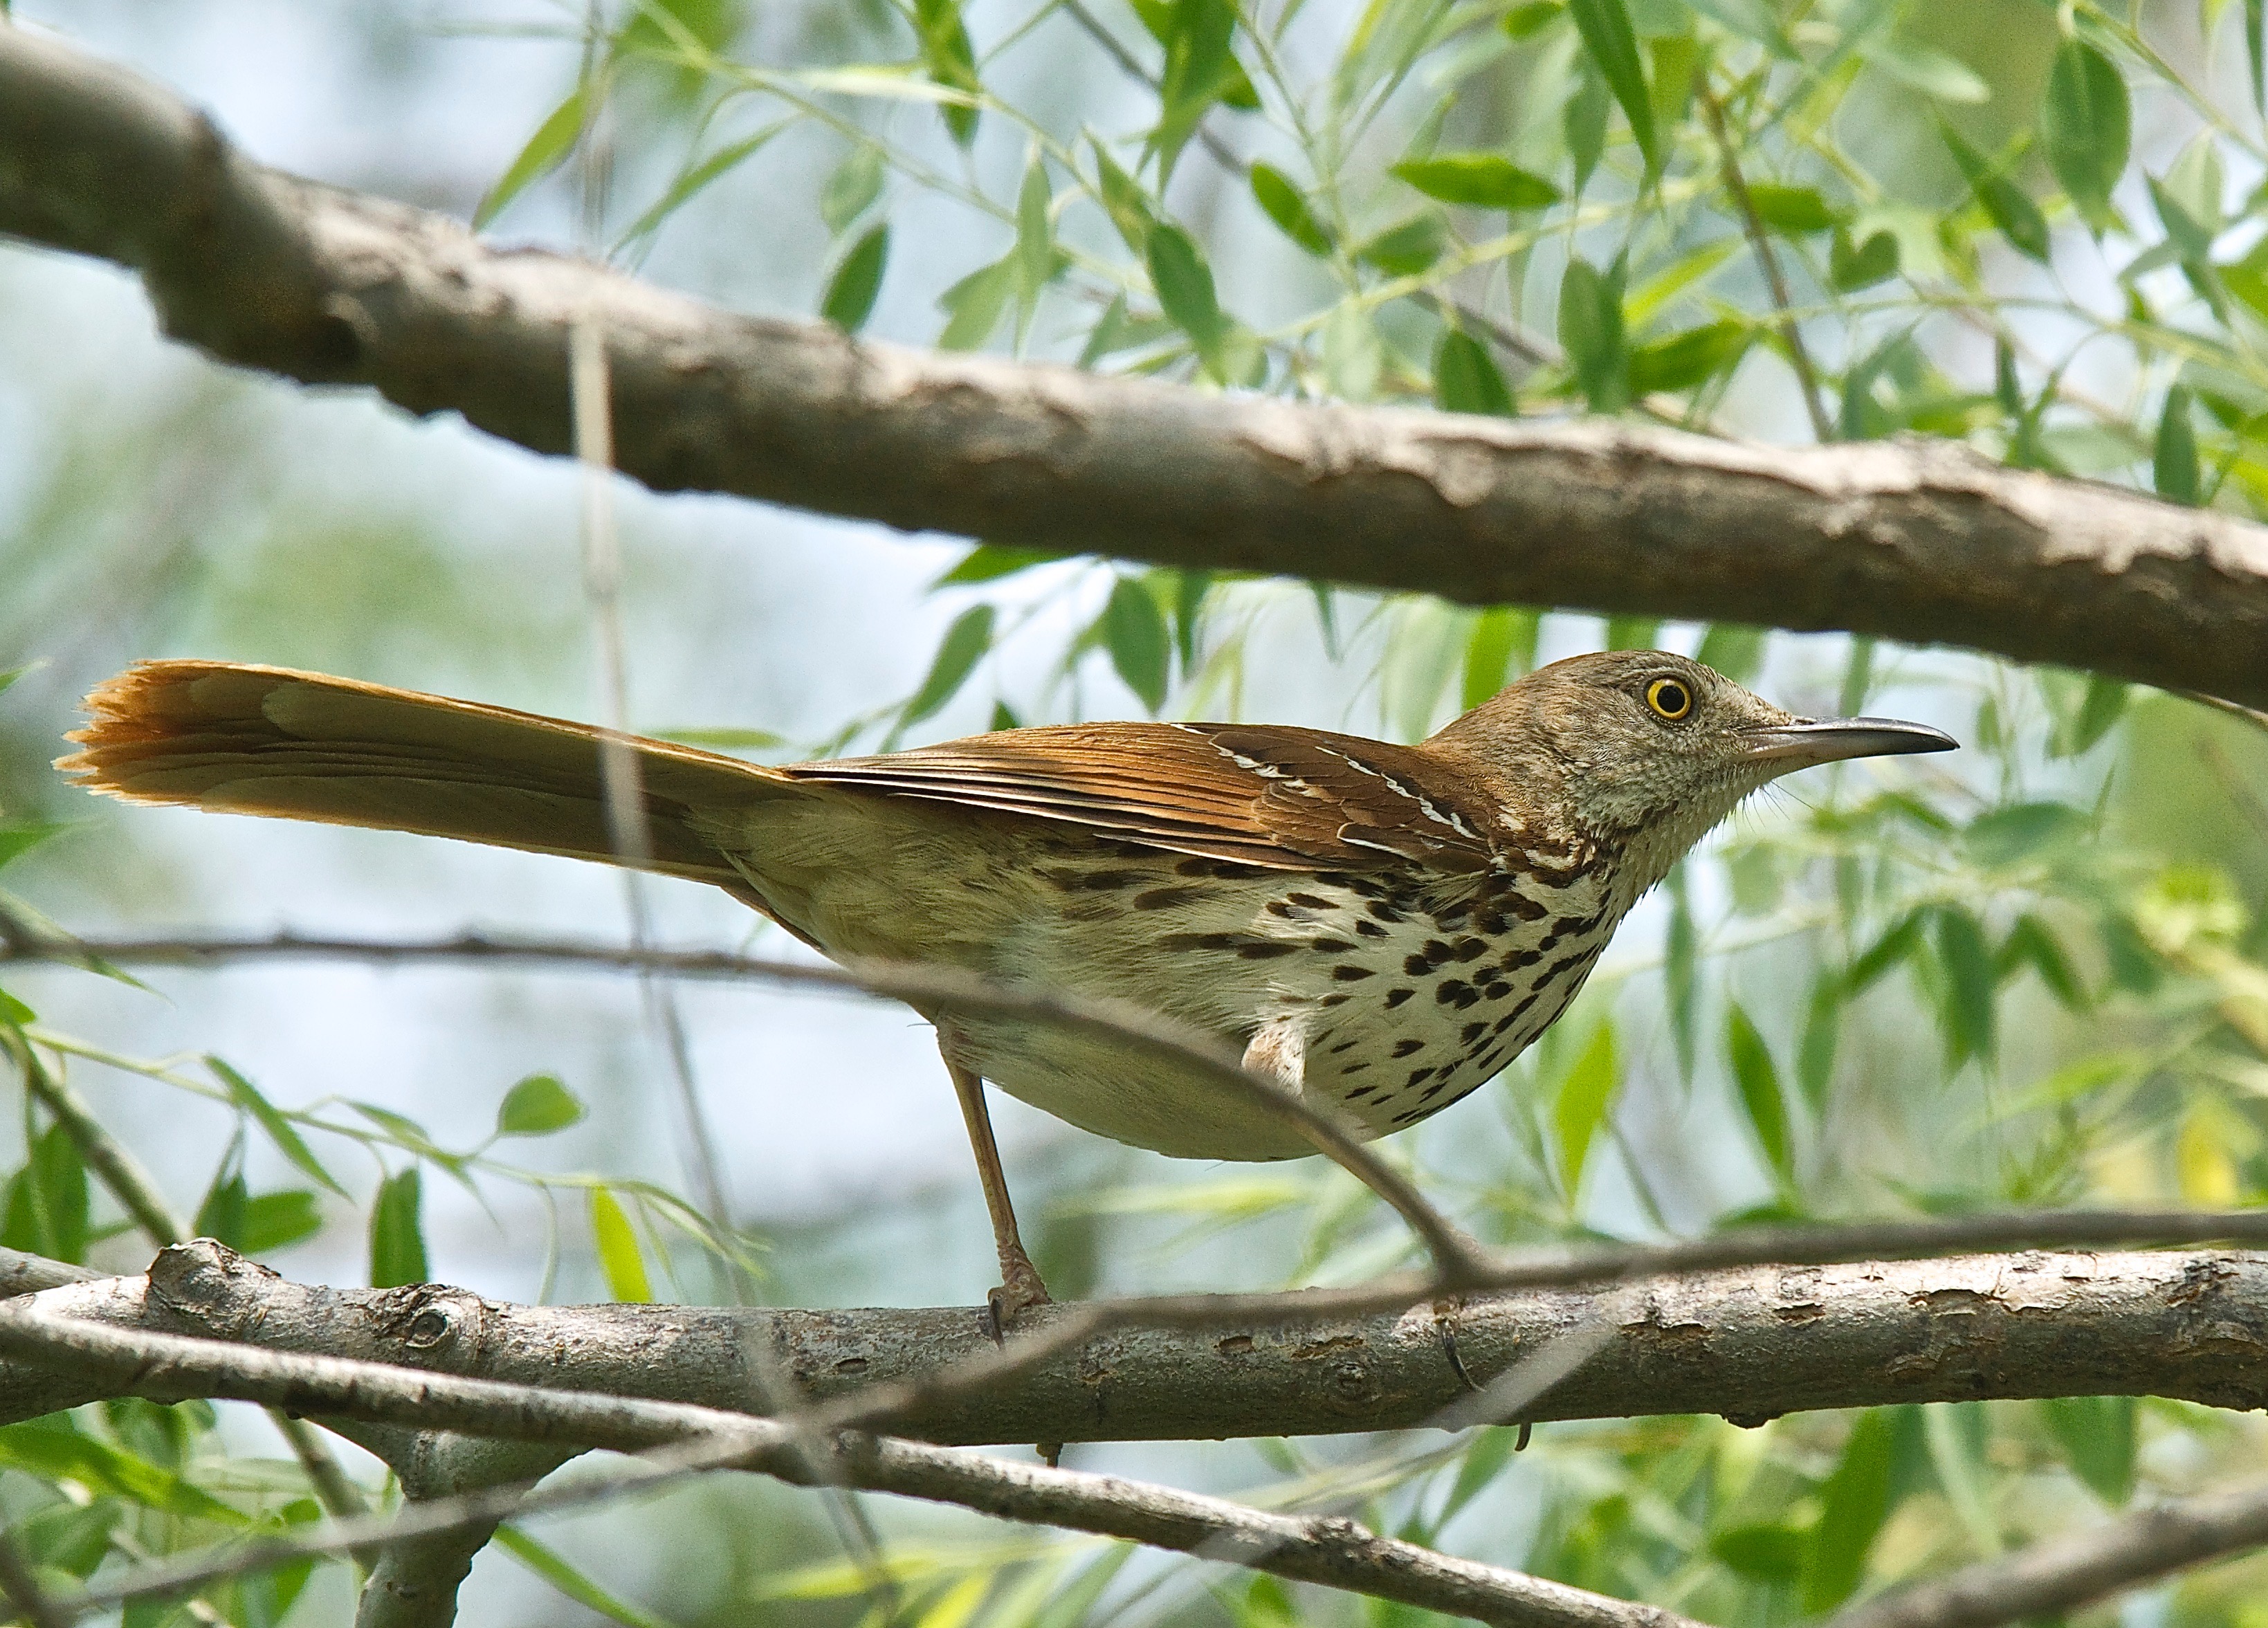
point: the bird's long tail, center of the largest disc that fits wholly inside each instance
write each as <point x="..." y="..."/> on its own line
<point x="305" y="745"/>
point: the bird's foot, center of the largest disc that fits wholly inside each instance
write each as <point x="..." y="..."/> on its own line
<point x="1020" y="1289"/>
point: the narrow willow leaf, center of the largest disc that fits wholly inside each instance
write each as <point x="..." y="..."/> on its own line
<point x="1822" y="1031"/>
<point x="1733" y="649"/>
<point x="54" y="1449"/>
<point x="2098" y="1435"/>
<point x="964" y="644"/>
<point x="1503" y="639"/>
<point x="2005" y="204"/>
<point x="1687" y="359"/>
<point x="1185" y="290"/>
<point x="853" y="187"/>
<point x="547" y="150"/>
<point x="1191" y="588"/>
<point x="1893" y="948"/>
<point x="973" y="305"/>
<point x="2099" y="712"/>
<point x="1408" y="248"/>
<point x="1853" y="1507"/>
<point x="2032" y="943"/>
<point x="988" y="562"/>
<point x="1612" y="45"/>
<point x="1584" y="124"/>
<point x="1757" y="1079"/>
<point x="220" y="1213"/>
<point x="1792" y="212"/>
<point x="1971" y="1003"/>
<point x="2085" y="127"/>
<point x="277" y="1220"/>
<point x="1465" y="377"/>
<point x="1280" y="199"/>
<point x="1591" y="330"/>
<point x="2174" y="467"/>
<point x="1124" y="200"/>
<point x="950" y="60"/>
<point x="288" y="1141"/>
<point x="537" y="1106"/>
<point x="1854" y="266"/>
<point x="1141" y="649"/>
<point x="1681" y="957"/>
<point x="554" y="1568"/>
<point x="1035" y="245"/>
<point x="1485" y="179"/>
<point x="1580" y="1106"/>
<point x="692" y="180"/>
<point x="618" y="1246"/>
<point x="850" y="293"/>
<point x="1200" y="70"/>
<point x="397" y="1232"/>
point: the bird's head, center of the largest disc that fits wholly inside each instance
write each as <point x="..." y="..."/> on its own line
<point x="1648" y="750"/>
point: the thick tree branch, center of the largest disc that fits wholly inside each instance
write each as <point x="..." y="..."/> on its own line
<point x="1925" y="542"/>
<point x="1328" y="1549"/>
<point x="1748" y="1343"/>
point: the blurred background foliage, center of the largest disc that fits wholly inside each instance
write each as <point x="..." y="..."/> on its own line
<point x="2033" y="974"/>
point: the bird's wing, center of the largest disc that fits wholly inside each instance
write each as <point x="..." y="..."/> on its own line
<point x="1280" y="797"/>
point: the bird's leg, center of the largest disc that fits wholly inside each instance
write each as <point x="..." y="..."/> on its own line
<point x="1019" y="1280"/>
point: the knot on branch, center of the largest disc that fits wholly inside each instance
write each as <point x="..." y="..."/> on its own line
<point x="209" y="1284"/>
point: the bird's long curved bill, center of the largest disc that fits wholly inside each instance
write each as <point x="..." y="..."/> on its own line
<point x="1805" y="742"/>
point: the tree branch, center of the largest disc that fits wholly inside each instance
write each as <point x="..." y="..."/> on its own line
<point x="1326" y="1550"/>
<point x="2064" y="1573"/>
<point x="1920" y="542"/>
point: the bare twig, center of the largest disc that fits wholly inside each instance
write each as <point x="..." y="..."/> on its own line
<point x="22" y="1273"/>
<point x="1760" y="242"/>
<point x="1330" y="1551"/>
<point x="1925" y="542"/>
<point x="2065" y="1572"/>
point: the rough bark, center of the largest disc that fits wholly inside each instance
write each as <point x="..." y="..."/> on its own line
<point x="1925" y="542"/>
<point x="1747" y="1343"/>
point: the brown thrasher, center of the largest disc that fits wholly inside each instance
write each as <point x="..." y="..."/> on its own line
<point x="1379" y="926"/>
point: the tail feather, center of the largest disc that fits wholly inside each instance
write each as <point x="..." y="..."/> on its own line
<point x="305" y="745"/>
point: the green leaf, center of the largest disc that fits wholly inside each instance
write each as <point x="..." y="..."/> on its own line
<point x="2032" y="943"/>
<point x="18" y="837"/>
<point x="55" y="1450"/>
<point x="1687" y="359"/>
<point x="554" y="1568"/>
<point x="853" y="187"/>
<point x="1141" y="649"/>
<point x="46" y="1206"/>
<point x="1281" y="199"/>
<point x="1533" y="18"/>
<point x="1581" y="1105"/>
<point x="1792" y="212"/>
<point x="1680" y="957"/>
<point x="278" y="1129"/>
<point x="618" y="1251"/>
<point x="2005" y="204"/>
<point x="1733" y="649"/>
<point x="1124" y="200"/>
<point x="1852" y="267"/>
<point x="2173" y="469"/>
<point x="1822" y="1026"/>
<point x="2256" y="49"/>
<point x="1490" y="1451"/>
<point x="397" y="1235"/>
<point x="988" y="561"/>
<point x="2098" y="1438"/>
<point x="1970" y="986"/>
<point x="1633" y="632"/>
<point x="1591" y="330"/>
<point x="1895" y="945"/>
<point x="220" y="1213"/>
<point x="1852" y="1506"/>
<point x="1612" y="46"/>
<point x="2004" y="835"/>
<point x="950" y="60"/>
<point x="1191" y="588"/>
<point x="2086" y="126"/>
<point x="1465" y="377"/>
<point x="850" y="293"/>
<point x="692" y="180"/>
<point x="1584" y="124"/>
<point x="1406" y="249"/>
<point x="974" y="305"/>
<point x="537" y="1106"/>
<point x="1482" y="179"/>
<point x="13" y="1013"/>
<point x="1036" y="260"/>
<point x="1766" y="1552"/>
<point x="1918" y="68"/>
<point x="1501" y="636"/>
<point x="547" y="150"/>
<point x="66" y="1538"/>
<point x="1003" y="716"/>
<point x="1200" y="69"/>
<point x="1185" y="290"/>
<point x="2099" y="712"/>
<point x="964" y="644"/>
<point x="277" y="1220"/>
<point x="1758" y="1078"/>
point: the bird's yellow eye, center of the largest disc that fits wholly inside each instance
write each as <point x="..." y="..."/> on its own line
<point x="1668" y="698"/>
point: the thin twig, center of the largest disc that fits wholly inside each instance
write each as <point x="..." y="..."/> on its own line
<point x="1330" y="1551"/>
<point x="927" y="987"/>
<point x="1760" y="242"/>
<point x="2062" y="1573"/>
<point x="22" y="1591"/>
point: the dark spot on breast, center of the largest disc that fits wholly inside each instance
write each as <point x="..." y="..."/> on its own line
<point x="1520" y="905"/>
<point x="1222" y="870"/>
<point x="1398" y="997"/>
<point x="1579" y="923"/>
<point x="1330" y="947"/>
<point x="1508" y="1019"/>
<point x="1266" y="949"/>
<point x="1106" y="881"/>
<point x="1524" y="958"/>
<point x="1409" y="1117"/>
<point x="1383" y="910"/>
<point x="1354" y="1068"/>
<point x="1370" y="930"/>
<point x="1498" y="990"/>
<point x="1434" y="1090"/>
<point x="1169" y="898"/>
<point x="1310" y="901"/>
<point x="1348" y="974"/>
<point x="1418" y="1077"/>
<point x="1403" y="1047"/>
<point x="1416" y="966"/>
<point x="1344" y="1045"/>
<point x="1471" y="949"/>
<point x="1335" y="1000"/>
<point x="1451" y="990"/>
<point x="1496" y="926"/>
<point x="1360" y="1092"/>
<point x="1473" y="1032"/>
<point x="1436" y="952"/>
